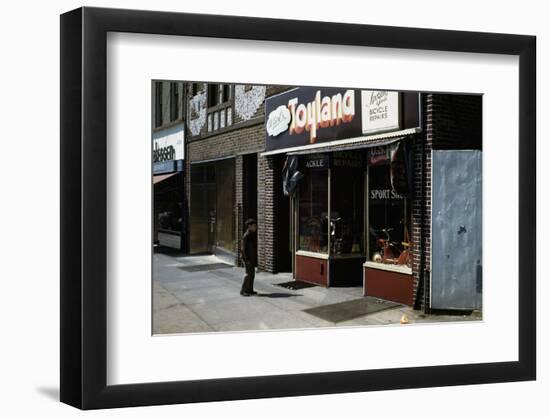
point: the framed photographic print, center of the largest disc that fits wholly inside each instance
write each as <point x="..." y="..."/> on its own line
<point x="256" y="208"/>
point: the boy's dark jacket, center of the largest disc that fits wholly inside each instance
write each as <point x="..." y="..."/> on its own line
<point x="249" y="248"/>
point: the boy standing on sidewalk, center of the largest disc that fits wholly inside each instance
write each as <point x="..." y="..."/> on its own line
<point x="249" y="249"/>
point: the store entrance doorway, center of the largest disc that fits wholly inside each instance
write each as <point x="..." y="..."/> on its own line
<point x="212" y="227"/>
<point x="284" y="220"/>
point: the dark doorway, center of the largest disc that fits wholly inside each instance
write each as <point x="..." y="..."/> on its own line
<point x="203" y="208"/>
<point x="250" y="180"/>
<point x="212" y="199"/>
<point x="282" y="213"/>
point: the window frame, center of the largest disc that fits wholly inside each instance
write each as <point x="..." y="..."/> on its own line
<point x="326" y="254"/>
<point x="406" y="206"/>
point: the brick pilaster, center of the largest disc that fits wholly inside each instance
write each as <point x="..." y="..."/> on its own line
<point x="267" y="236"/>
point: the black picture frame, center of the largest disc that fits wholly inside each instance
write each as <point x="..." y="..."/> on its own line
<point x="84" y="207"/>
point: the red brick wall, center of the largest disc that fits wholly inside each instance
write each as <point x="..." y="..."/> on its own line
<point x="267" y="215"/>
<point x="421" y="207"/>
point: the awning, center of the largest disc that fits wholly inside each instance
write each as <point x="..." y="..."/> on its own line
<point x="350" y="146"/>
<point x="346" y="144"/>
<point x="160" y="178"/>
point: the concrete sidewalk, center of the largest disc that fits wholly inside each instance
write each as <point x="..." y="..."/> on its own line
<point x="201" y="294"/>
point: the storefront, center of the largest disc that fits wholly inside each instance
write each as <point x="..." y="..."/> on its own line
<point x="329" y="215"/>
<point x="348" y="176"/>
<point x="169" y="188"/>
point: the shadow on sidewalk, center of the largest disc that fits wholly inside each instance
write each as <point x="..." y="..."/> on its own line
<point x="168" y="251"/>
<point x="278" y="295"/>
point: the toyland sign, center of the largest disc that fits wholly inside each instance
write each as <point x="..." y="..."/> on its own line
<point x="309" y="115"/>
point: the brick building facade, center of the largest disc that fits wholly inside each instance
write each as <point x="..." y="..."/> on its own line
<point x="240" y="140"/>
<point x="230" y="176"/>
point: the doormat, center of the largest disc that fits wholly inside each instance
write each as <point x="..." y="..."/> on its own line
<point x="205" y="267"/>
<point x="349" y="310"/>
<point x="296" y="285"/>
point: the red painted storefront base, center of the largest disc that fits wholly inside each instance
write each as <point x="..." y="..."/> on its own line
<point x="313" y="270"/>
<point x="389" y="285"/>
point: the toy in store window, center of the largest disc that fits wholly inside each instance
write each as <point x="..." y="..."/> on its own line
<point x="313" y="227"/>
<point x="390" y="252"/>
<point x="405" y="256"/>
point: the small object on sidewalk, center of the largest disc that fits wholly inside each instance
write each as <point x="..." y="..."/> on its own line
<point x="245" y="294"/>
<point x="404" y="319"/>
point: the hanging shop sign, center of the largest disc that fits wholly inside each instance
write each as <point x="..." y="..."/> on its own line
<point x="168" y="149"/>
<point x="378" y="155"/>
<point x="381" y="111"/>
<point x="314" y="115"/>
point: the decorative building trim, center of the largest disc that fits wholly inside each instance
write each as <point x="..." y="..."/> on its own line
<point x="248" y="100"/>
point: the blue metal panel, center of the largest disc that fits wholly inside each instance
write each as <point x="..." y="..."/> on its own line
<point x="456" y="229"/>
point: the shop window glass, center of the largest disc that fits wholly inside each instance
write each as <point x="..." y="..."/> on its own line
<point x="389" y="219"/>
<point x="347" y="202"/>
<point x="169" y="212"/>
<point x="169" y="216"/>
<point x="313" y="211"/>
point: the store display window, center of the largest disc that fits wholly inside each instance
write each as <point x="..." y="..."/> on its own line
<point x="169" y="216"/>
<point x="388" y="212"/>
<point x="313" y="212"/>
<point x="347" y="204"/>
